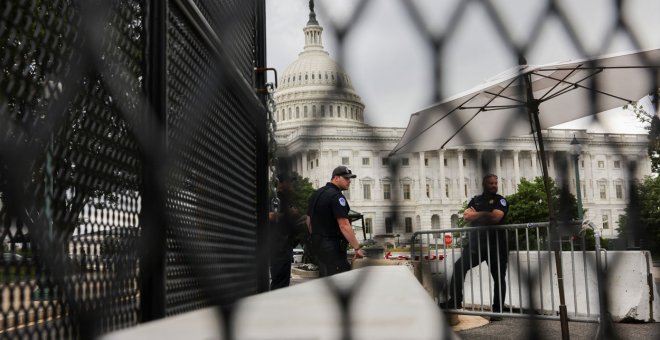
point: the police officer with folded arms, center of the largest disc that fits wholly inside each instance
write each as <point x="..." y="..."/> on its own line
<point x="490" y="245"/>
<point x="328" y="223"/>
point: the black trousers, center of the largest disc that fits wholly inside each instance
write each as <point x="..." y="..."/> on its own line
<point x="281" y="255"/>
<point x="331" y="253"/>
<point x="497" y="257"/>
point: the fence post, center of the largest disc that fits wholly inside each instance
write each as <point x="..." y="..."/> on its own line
<point x="152" y="217"/>
<point x="263" y="191"/>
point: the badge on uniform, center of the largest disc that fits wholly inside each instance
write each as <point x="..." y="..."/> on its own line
<point x="342" y="201"/>
<point x="503" y="202"/>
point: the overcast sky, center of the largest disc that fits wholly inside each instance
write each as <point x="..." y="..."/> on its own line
<point x="390" y="62"/>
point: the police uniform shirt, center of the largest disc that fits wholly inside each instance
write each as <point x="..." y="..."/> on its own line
<point x="329" y="206"/>
<point x="489" y="202"/>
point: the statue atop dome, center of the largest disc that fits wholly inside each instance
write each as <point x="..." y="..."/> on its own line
<point x="312" y="15"/>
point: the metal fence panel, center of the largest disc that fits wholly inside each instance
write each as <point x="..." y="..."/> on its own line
<point x="78" y="134"/>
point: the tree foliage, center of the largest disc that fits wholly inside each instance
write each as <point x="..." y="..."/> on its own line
<point x="648" y="198"/>
<point x="530" y="203"/>
<point x="647" y="115"/>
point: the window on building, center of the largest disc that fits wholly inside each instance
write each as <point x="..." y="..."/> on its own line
<point x="290" y="115"/>
<point x="601" y="164"/>
<point x="405" y="161"/>
<point x="331" y="112"/>
<point x="619" y="191"/>
<point x="617" y="164"/>
<point x="447" y="190"/>
<point x="385" y="161"/>
<point x="428" y="191"/>
<point x="406" y="191"/>
<point x="388" y="225"/>
<point x="317" y="162"/>
<point x="426" y="162"/>
<point x="606" y="221"/>
<point x="311" y="165"/>
<point x="445" y="161"/>
<point x="368" y="222"/>
<point x="297" y="112"/>
<point x="408" y="224"/>
<point x="435" y="222"/>
<point x="387" y="191"/>
<point x="344" y="161"/>
<point x="603" y="191"/>
<point x="323" y="107"/>
<point x="582" y="163"/>
<point x="366" y="191"/>
<point x="464" y="162"/>
<point x="454" y="220"/>
<point x="465" y="189"/>
<point x="305" y="111"/>
<point x="366" y="161"/>
<point x="314" y="110"/>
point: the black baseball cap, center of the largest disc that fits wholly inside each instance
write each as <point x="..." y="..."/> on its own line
<point x="343" y="171"/>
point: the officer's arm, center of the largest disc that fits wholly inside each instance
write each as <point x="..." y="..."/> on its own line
<point x="347" y="231"/>
<point x="493" y="216"/>
<point x="308" y="222"/>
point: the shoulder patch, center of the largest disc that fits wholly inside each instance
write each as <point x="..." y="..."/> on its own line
<point x="503" y="202"/>
<point x="342" y="201"/>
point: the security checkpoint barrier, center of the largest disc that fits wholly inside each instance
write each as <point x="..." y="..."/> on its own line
<point x="532" y="283"/>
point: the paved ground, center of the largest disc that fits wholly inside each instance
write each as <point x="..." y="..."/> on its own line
<point x="515" y="328"/>
<point x="475" y="327"/>
<point x="550" y="329"/>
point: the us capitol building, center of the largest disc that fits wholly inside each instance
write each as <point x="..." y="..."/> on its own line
<point x="320" y="125"/>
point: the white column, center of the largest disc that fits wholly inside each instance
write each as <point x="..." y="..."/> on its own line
<point x="516" y="170"/>
<point x="441" y="158"/>
<point x="534" y="169"/>
<point x="305" y="166"/>
<point x="461" y="178"/>
<point x="480" y="166"/>
<point x="498" y="165"/>
<point x="422" y="178"/>
<point x="588" y="177"/>
<point x="610" y="182"/>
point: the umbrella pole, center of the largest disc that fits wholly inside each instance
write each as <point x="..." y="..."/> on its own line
<point x="563" y="314"/>
<point x="533" y="109"/>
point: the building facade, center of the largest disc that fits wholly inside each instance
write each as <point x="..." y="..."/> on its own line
<point x="320" y="125"/>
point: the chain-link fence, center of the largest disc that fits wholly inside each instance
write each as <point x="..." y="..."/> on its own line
<point x="133" y="159"/>
<point x="134" y="156"/>
<point x="311" y="135"/>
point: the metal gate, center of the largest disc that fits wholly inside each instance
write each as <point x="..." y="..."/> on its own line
<point x="133" y="163"/>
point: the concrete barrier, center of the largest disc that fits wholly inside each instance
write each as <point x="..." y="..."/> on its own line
<point x="387" y="302"/>
<point x="631" y="289"/>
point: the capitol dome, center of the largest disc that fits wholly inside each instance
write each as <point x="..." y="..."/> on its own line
<point x="314" y="89"/>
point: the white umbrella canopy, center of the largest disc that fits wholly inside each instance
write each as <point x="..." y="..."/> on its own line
<point x="560" y="92"/>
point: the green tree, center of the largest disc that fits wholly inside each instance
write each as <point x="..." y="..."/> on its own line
<point x="530" y="204"/>
<point x="651" y="122"/>
<point x="648" y="194"/>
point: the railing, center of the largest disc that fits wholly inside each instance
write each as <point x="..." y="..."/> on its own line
<point x="528" y="272"/>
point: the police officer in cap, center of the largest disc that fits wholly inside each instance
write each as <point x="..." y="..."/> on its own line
<point x="487" y="209"/>
<point x="328" y="223"/>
